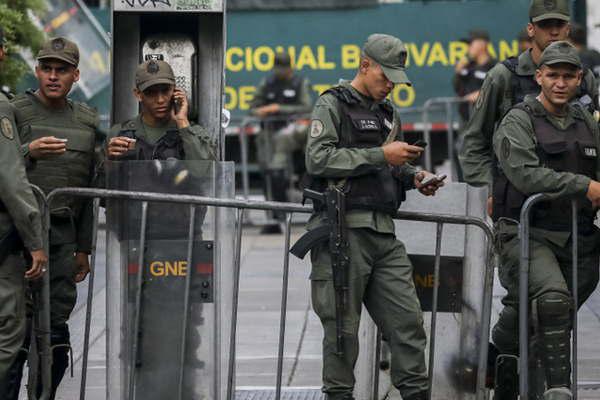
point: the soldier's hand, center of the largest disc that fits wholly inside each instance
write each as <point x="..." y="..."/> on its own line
<point x="399" y="153"/>
<point x="82" y="266"/>
<point x="118" y="146"/>
<point x="471" y="97"/>
<point x="39" y="260"/>
<point x="47" y="146"/>
<point x="430" y="188"/>
<point x="180" y="113"/>
<point x="267" y="110"/>
<point x="593" y="193"/>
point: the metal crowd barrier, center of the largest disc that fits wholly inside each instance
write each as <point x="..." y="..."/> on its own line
<point x="289" y="208"/>
<point x="524" y="230"/>
<point x="449" y="104"/>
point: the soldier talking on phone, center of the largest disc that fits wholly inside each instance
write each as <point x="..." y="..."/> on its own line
<point x="162" y="130"/>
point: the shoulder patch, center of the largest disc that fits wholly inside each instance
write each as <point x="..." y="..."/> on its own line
<point x="6" y="127"/>
<point x="316" y="128"/>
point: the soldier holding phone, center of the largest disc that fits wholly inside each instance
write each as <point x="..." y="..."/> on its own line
<point x="162" y="130"/>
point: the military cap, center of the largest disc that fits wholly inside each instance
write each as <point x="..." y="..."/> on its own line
<point x="153" y="72"/>
<point x="560" y="53"/>
<point x="540" y="10"/>
<point x="61" y="49"/>
<point x="390" y="53"/>
<point x="477" y="34"/>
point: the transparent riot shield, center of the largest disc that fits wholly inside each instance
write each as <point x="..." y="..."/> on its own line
<point x="169" y="281"/>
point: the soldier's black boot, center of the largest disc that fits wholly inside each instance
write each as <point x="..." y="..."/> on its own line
<point x="507" y="379"/>
<point x="418" y="396"/>
<point x="60" y="342"/>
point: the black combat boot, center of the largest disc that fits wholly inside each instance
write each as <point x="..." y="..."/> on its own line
<point x="419" y="396"/>
<point x="507" y="380"/>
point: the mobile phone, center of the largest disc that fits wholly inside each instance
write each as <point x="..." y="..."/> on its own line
<point x="176" y="105"/>
<point x="420" y="143"/>
<point x="433" y="178"/>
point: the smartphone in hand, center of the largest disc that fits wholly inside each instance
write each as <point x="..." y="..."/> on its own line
<point x="433" y="179"/>
<point x="420" y="143"/>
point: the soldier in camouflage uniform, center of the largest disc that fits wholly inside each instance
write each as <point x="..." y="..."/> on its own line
<point x="546" y="145"/>
<point x="20" y="226"/>
<point x="279" y="100"/>
<point x="508" y="83"/>
<point x="351" y="144"/>
<point x="58" y="139"/>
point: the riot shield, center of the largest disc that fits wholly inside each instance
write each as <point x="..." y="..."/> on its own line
<point x="169" y="281"/>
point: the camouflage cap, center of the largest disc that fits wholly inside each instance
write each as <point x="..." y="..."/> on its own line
<point x="153" y="72"/>
<point x="390" y="53"/>
<point x="61" y="49"/>
<point x="549" y="9"/>
<point x="560" y="53"/>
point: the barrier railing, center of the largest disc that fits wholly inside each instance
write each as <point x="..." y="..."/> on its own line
<point x="449" y="104"/>
<point x="288" y="208"/>
<point x="524" y="235"/>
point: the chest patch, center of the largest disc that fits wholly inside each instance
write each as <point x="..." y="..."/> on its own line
<point x="7" y="128"/>
<point x="289" y="93"/>
<point x="590" y="151"/>
<point x="367" y="124"/>
<point x="480" y="75"/>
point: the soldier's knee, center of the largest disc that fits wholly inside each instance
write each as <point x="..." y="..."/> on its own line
<point x="553" y="309"/>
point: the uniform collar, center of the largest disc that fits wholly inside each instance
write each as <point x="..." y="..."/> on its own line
<point x="365" y="101"/>
<point x="539" y="109"/>
<point x="526" y="65"/>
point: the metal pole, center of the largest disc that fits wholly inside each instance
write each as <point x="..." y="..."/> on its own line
<point x="284" y="292"/>
<point x="138" y="303"/>
<point x="90" y="298"/>
<point x="239" y="220"/>
<point x="244" y="159"/>
<point x="486" y="314"/>
<point x="427" y="136"/>
<point x="450" y="138"/>
<point x="434" y="305"/>
<point x="575" y="290"/>
<point x="376" y="366"/>
<point x="186" y="300"/>
<point x="524" y="296"/>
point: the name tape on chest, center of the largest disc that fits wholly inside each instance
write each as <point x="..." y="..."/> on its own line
<point x="590" y="151"/>
<point x="367" y="124"/>
<point x="289" y="93"/>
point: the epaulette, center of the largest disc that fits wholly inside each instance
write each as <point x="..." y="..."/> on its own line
<point x="85" y="114"/>
<point x="343" y="94"/>
<point x="511" y="64"/>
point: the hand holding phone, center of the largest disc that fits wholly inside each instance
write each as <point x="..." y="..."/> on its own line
<point x="420" y="143"/>
<point x="428" y="180"/>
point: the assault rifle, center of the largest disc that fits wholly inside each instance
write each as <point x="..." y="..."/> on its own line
<point x="333" y="200"/>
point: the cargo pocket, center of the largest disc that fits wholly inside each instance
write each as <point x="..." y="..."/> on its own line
<point x="588" y="153"/>
<point x="555" y="154"/>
